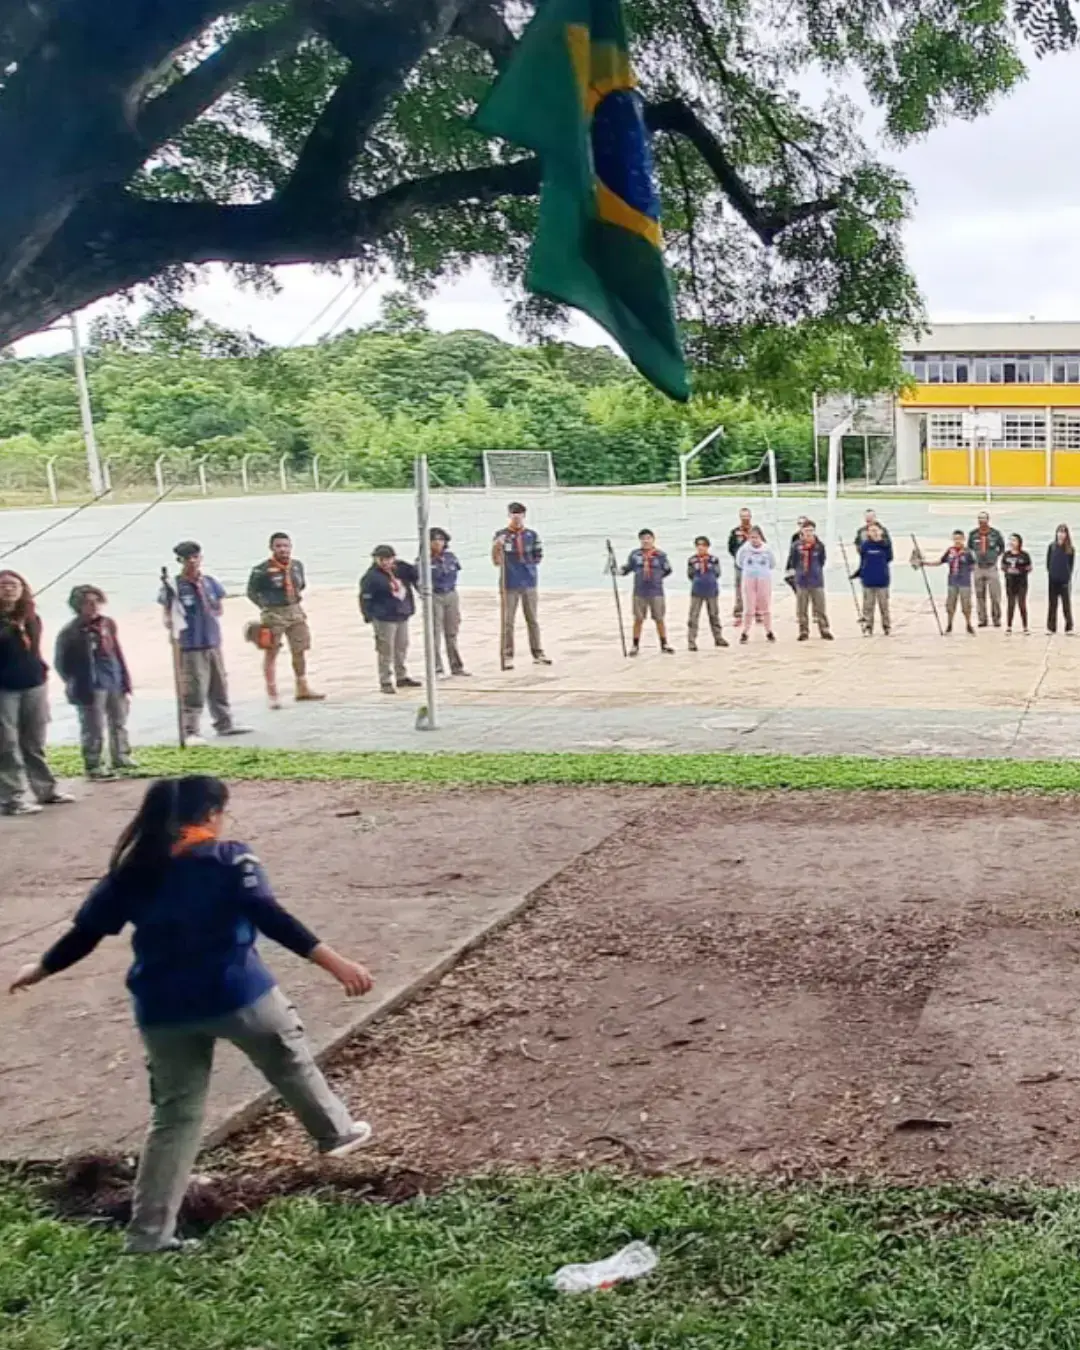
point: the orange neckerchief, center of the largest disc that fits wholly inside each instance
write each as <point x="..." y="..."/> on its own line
<point x="519" y="543"/>
<point x="193" y="835"/>
<point x="646" y="558"/>
<point x="290" y="589"/>
<point x="808" y="553"/>
<point x="984" y="537"/>
<point x="702" y="562"/>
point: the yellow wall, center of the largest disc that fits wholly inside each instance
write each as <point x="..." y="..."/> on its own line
<point x="1012" y="468"/>
<point x="1066" y="468"/>
<point x="992" y="396"/>
<point x="947" y="468"/>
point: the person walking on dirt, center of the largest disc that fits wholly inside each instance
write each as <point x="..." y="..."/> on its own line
<point x="446" y="604"/>
<point x="275" y="588"/>
<point x="1060" y="560"/>
<point x="703" y="571"/>
<point x="203" y="680"/>
<point x="90" y="661"/>
<point x="387" y="603"/>
<point x="758" y="563"/>
<point x="1016" y="568"/>
<point x="988" y="545"/>
<point x="517" y="552"/>
<point x="649" y="566"/>
<point x="26" y="781"/>
<point x="863" y="532"/>
<point x="197" y="904"/>
<point x="960" y="560"/>
<point x="739" y="536"/>
<point x="875" y="560"/>
<point x="806" y="567"/>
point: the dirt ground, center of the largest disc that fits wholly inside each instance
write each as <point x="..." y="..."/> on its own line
<point x="780" y="985"/>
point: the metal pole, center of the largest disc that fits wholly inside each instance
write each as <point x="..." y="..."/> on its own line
<point x="428" y="717"/>
<point x="851" y="582"/>
<point x="774" y="486"/>
<point x="684" y="463"/>
<point x="50" y="474"/>
<point x="836" y="437"/>
<point x="93" y="461"/>
<point x="986" y="467"/>
<point x="817" y="445"/>
<point x="918" y="562"/>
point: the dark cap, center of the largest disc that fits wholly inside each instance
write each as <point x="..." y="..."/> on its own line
<point x="188" y="548"/>
<point x="516" y="509"/>
<point x="81" y="593"/>
<point x="437" y="532"/>
<point x="383" y="551"/>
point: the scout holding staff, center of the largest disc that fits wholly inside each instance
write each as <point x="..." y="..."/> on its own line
<point x="275" y="588"/>
<point x="649" y="566"/>
<point x="517" y="552"/>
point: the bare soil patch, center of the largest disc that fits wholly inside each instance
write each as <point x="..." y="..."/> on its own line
<point x="763" y="984"/>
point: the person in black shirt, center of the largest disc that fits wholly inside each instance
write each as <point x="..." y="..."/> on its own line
<point x="24" y="705"/>
<point x="1016" y="564"/>
<point x="1060" y="559"/>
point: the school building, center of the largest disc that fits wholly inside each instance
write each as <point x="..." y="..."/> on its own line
<point x="1028" y="373"/>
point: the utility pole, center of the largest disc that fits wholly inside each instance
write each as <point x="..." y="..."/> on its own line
<point x="93" y="460"/>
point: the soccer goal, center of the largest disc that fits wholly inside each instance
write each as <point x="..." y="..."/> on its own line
<point x="525" y="470"/>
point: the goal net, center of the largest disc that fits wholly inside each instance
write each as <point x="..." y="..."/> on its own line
<point x="511" y="470"/>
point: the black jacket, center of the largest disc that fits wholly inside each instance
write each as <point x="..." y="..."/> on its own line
<point x="21" y="666"/>
<point x="377" y="599"/>
<point x="75" y="661"/>
<point x="1060" y="564"/>
<point x="266" y="585"/>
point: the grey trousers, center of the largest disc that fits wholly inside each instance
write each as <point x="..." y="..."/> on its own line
<point x="530" y="607"/>
<point x="958" y="595"/>
<point x="180" y="1059"/>
<point x="391" y="649"/>
<point x="712" y="608"/>
<point x="876" y="598"/>
<point x="805" y="598"/>
<point x="988" y="587"/>
<point x="24" y="725"/>
<point x="447" y="614"/>
<point x="107" y="715"/>
<point x="204" y="683"/>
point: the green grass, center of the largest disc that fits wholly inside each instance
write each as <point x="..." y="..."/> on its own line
<point x="837" y="772"/>
<point x="739" y="1270"/>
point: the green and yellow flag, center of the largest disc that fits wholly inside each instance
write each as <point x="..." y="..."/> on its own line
<point x="569" y="94"/>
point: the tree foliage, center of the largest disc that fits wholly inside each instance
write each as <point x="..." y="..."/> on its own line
<point x="142" y="138"/>
<point x="367" y="403"/>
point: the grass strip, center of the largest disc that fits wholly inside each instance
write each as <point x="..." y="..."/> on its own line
<point x="844" y="773"/>
<point x="797" y="1269"/>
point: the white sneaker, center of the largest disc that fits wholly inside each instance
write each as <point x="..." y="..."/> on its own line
<point x="22" y="808"/>
<point x="194" y="740"/>
<point x="358" y="1137"/>
<point x="57" y="798"/>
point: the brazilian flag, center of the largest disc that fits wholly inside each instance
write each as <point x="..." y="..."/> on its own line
<point x="569" y="94"/>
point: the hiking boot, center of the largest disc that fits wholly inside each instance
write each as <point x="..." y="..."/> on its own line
<point x="461" y="674"/>
<point x="744" y="639"/>
<point x="539" y="659"/>
<point x="666" y="650"/>
<point x="101" y="775"/>
<point x="770" y="637"/>
<point x="305" y="693"/>
<point x="635" y="650"/>
<point x="804" y="637"/>
<point x="232" y="731"/>
<point x="971" y="631"/>
<point x="722" y="642"/>
<point x="387" y="689"/>
<point x="827" y="637"/>
<point x="407" y="682"/>
<point x="691" y="646"/>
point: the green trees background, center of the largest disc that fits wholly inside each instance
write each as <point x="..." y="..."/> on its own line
<point x="366" y="403"/>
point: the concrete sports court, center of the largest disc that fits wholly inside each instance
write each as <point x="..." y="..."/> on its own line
<point x="912" y="693"/>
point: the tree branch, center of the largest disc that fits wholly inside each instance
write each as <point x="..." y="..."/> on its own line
<point x="483" y="25"/>
<point x="677" y="118"/>
<point x="383" y="45"/>
<point x="189" y="97"/>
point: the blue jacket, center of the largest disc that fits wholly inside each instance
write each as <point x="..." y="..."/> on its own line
<point x="648" y="573"/>
<point x="519" y="554"/>
<point x="874" y="560"/>
<point x="201" y="603"/>
<point x="194" y="935"/>
<point x="704" y="575"/>
<point x="809" y="571"/>
<point x="377" y="598"/>
<point x="444" y="572"/>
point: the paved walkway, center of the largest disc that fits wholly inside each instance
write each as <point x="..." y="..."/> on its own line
<point x="910" y="694"/>
<point x="398" y="878"/>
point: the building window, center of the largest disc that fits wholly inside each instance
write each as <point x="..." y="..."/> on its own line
<point x="1066" y="431"/>
<point x="945" y="431"/>
<point x="962" y="372"/>
<point x="1023" y="431"/>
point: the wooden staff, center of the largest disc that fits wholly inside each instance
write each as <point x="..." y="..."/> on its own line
<point x="171" y="599"/>
<point x="614" y="570"/>
<point x="918" y="562"/>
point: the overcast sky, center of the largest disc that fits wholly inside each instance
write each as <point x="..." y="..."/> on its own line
<point x="995" y="233"/>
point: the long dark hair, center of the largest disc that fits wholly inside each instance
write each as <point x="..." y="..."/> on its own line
<point x="143" y="851"/>
<point x="1068" y="544"/>
<point x="24" y="607"/>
